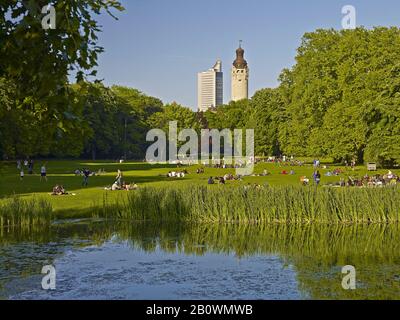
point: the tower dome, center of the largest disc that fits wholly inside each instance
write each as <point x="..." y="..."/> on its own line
<point x="240" y="62"/>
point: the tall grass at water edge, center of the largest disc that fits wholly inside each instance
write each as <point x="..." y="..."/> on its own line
<point x="20" y="213"/>
<point x="251" y="205"/>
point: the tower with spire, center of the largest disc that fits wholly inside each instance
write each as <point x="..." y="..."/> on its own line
<point x="240" y="76"/>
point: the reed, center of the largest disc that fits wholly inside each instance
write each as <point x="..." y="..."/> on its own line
<point x="251" y="205"/>
<point x="18" y="213"/>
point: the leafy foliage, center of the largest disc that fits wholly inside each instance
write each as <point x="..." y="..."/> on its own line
<point x="344" y="94"/>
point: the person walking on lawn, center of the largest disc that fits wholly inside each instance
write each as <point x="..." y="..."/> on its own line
<point x="43" y="173"/>
<point x="86" y="174"/>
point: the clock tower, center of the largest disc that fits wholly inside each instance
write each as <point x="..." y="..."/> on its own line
<point x="240" y="76"/>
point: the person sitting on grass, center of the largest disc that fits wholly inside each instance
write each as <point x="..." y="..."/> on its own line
<point x="200" y="170"/>
<point x="304" y="180"/>
<point x="118" y="178"/>
<point x="115" y="186"/>
<point x="221" y="180"/>
<point x="59" y="190"/>
<point x="172" y="174"/>
<point x="180" y="175"/>
<point x="337" y="172"/>
<point x="210" y="180"/>
<point x="317" y="177"/>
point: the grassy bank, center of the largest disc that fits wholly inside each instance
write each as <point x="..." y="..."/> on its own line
<point x="287" y="204"/>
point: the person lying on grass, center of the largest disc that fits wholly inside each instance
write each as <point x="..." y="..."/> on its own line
<point x="125" y="186"/>
<point x="128" y="187"/>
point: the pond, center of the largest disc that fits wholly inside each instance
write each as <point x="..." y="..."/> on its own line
<point x="131" y="260"/>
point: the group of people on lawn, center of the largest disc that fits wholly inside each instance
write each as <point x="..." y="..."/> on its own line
<point x="222" y="180"/>
<point x="179" y="174"/>
<point x="377" y="180"/>
<point x="316" y="178"/>
<point x="28" y="165"/>
<point x="282" y="161"/>
<point x="120" y="184"/>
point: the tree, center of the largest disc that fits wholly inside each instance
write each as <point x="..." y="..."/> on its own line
<point x="230" y="116"/>
<point x="114" y="120"/>
<point x="37" y="62"/>
<point x="40" y="60"/>
<point x="341" y="97"/>
<point x="185" y="117"/>
<point x="265" y="118"/>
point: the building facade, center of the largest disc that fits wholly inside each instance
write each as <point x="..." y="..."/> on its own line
<point x="240" y="77"/>
<point x="210" y="88"/>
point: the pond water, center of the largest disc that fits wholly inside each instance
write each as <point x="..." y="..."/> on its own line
<point x="129" y="260"/>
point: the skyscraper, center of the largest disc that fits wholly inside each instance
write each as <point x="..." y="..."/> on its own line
<point x="210" y="87"/>
<point x="240" y="76"/>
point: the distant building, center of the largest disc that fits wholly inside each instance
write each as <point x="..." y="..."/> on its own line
<point x="210" y="88"/>
<point x="240" y="76"/>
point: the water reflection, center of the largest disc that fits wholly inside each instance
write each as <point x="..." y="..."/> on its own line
<point x="235" y="257"/>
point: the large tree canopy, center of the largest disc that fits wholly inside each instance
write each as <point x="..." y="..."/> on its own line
<point x="41" y="113"/>
<point x="342" y="96"/>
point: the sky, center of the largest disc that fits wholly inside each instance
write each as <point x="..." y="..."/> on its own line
<point x="159" y="46"/>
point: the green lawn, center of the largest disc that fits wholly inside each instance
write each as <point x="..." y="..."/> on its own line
<point x="143" y="174"/>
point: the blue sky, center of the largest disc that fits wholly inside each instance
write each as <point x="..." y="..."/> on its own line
<point x="159" y="46"/>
